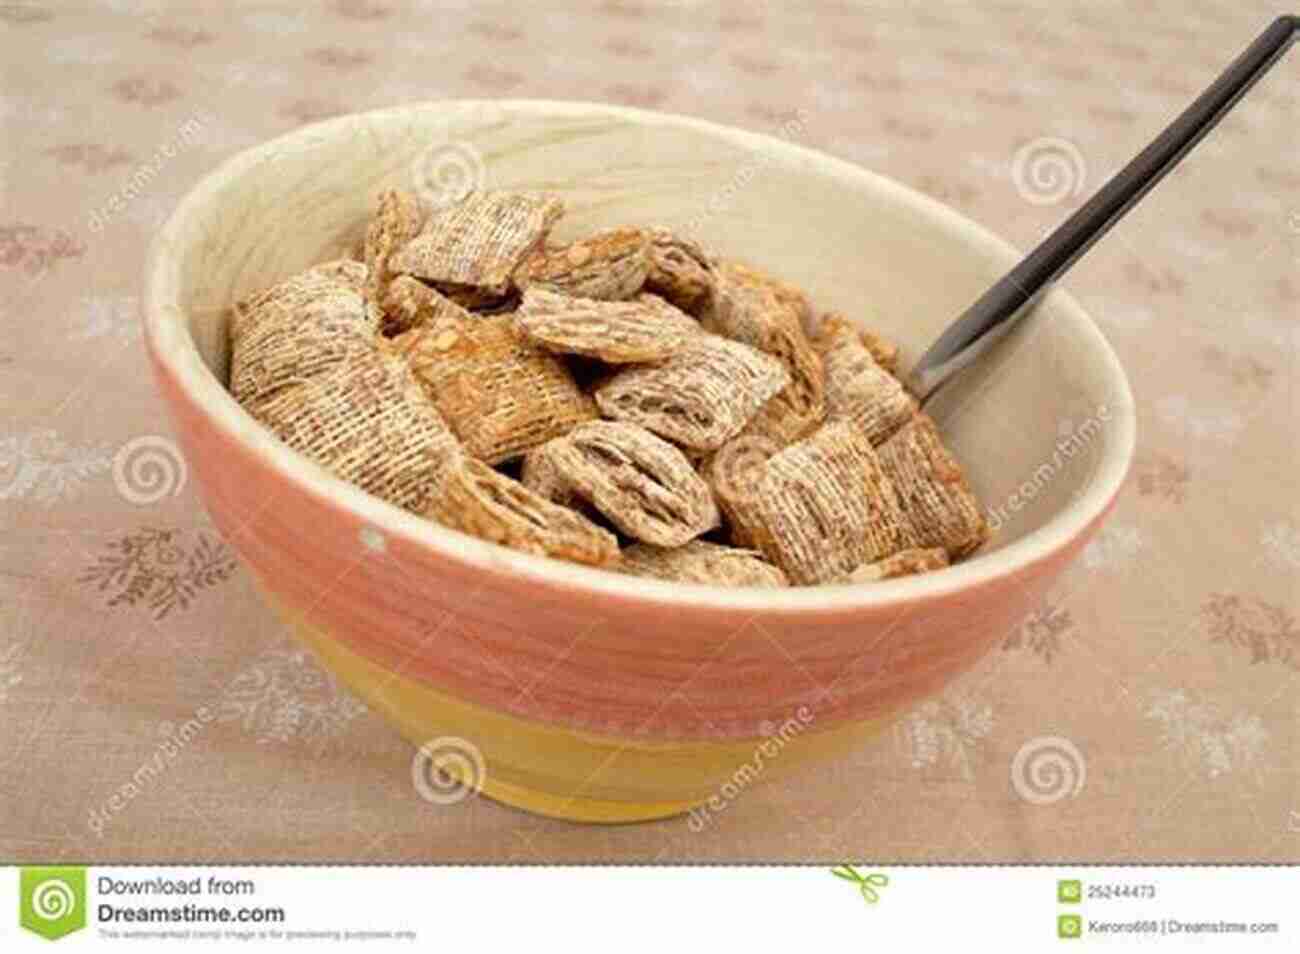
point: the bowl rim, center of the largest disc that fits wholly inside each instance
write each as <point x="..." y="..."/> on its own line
<point x="176" y="354"/>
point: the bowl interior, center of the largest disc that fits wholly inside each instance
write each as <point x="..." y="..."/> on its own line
<point x="1045" y="422"/>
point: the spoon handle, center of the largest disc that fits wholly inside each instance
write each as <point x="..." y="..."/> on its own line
<point x="993" y="314"/>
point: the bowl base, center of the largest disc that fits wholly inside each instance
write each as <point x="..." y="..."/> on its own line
<point x="578" y="809"/>
<point x="547" y="769"/>
<point x="420" y="714"/>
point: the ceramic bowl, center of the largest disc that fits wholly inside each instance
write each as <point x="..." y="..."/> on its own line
<point x="582" y="693"/>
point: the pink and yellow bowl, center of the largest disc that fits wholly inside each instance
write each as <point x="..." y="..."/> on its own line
<point x="588" y="694"/>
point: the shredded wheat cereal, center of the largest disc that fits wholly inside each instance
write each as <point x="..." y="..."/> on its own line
<point x="368" y="422"/>
<point x="857" y="387"/>
<point x="410" y="303"/>
<point x="396" y="221"/>
<point x="501" y="394"/>
<point x="645" y="486"/>
<point x="823" y="507"/>
<point x="902" y="563"/>
<point x="329" y="286"/>
<point x="479" y="500"/>
<point x="542" y="475"/>
<point x="748" y="309"/>
<point x="480" y="240"/>
<point x="680" y="272"/>
<point x="732" y="472"/>
<point x="299" y="328"/>
<point x="940" y="508"/>
<point x="616" y="332"/>
<point x="610" y="266"/>
<point x="884" y="351"/>
<point x="791" y="298"/>
<point x="699" y="397"/>
<point x="702" y="562"/>
<point x="457" y="348"/>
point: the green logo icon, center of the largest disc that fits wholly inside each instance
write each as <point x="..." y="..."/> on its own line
<point x="1069" y="925"/>
<point x="1069" y="892"/>
<point x="52" y="901"/>
<point x="867" y="884"/>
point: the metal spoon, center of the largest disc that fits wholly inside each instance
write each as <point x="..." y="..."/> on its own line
<point x="999" y="308"/>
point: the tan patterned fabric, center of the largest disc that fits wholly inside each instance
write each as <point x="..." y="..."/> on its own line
<point x="1168" y="656"/>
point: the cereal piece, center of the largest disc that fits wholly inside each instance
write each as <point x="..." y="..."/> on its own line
<point x="542" y="475"/>
<point x="274" y="355"/>
<point x="501" y="394"/>
<point x="669" y="312"/>
<point x="327" y="288"/>
<point x="749" y="310"/>
<point x="645" y="486"/>
<point x="822" y="507"/>
<point x="884" y="351"/>
<point x="350" y="272"/>
<point x="937" y="501"/>
<point x="397" y="221"/>
<point x="476" y="499"/>
<point x="299" y="328"/>
<point x="778" y="421"/>
<point x="480" y="240"/>
<point x="368" y="422"/>
<point x="700" y="397"/>
<point x="902" y="563"/>
<point x="616" y="332"/>
<point x="732" y="473"/>
<point x="410" y="303"/>
<point x="857" y="388"/>
<point x="702" y="562"/>
<point x="789" y="296"/>
<point x="681" y="271"/>
<point x="610" y="266"/>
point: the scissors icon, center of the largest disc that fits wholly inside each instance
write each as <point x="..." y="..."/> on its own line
<point x="867" y="884"/>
